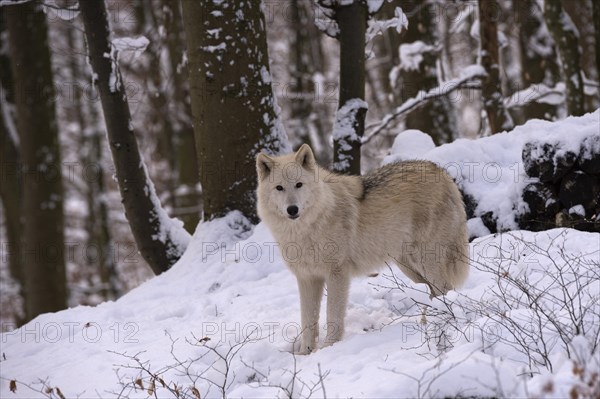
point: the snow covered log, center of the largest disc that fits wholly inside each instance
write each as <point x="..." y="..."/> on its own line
<point x="539" y="176"/>
<point x="580" y="189"/>
<point x="549" y="162"/>
<point x="589" y="156"/>
<point x="543" y="203"/>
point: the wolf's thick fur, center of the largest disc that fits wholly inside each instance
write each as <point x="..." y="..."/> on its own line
<point x="408" y="213"/>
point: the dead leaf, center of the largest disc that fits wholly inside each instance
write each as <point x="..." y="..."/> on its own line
<point x="548" y="387"/>
<point x="139" y="383"/>
<point x="59" y="393"/>
<point x="196" y="392"/>
<point x="13" y="386"/>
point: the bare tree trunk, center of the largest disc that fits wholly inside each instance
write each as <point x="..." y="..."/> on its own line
<point x="160" y="119"/>
<point x="498" y="118"/>
<point x="233" y="105"/>
<point x="352" y="22"/>
<point x="303" y="64"/>
<point x="10" y="180"/>
<point x="160" y="241"/>
<point x="385" y="48"/>
<point x="307" y="115"/>
<point x="596" y="17"/>
<point x="538" y="66"/>
<point x="300" y="73"/>
<point x="187" y="203"/>
<point x="91" y="155"/>
<point x="566" y="38"/>
<point x="435" y="118"/>
<point x="42" y="247"/>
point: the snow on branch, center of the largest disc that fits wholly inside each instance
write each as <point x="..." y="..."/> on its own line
<point x="468" y="79"/>
<point x="376" y="27"/>
<point x="539" y="93"/>
<point x="330" y="27"/>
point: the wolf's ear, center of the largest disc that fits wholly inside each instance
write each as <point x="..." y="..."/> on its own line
<point x="305" y="157"/>
<point x="264" y="165"/>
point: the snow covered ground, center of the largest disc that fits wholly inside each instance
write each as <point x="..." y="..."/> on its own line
<point x="223" y="321"/>
<point x="225" y="317"/>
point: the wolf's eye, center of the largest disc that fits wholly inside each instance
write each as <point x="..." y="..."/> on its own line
<point x="279" y="188"/>
<point x="298" y="185"/>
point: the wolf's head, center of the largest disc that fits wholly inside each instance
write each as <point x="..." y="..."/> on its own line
<point x="288" y="185"/>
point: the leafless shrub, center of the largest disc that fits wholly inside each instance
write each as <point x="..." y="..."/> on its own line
<point x="544" y="297"/>
<point x="295" y="387"/>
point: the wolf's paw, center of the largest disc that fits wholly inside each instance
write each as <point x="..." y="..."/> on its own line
<point x="304" y="350"/>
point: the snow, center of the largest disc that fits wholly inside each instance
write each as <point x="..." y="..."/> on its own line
<point x="343" y="128"/>
<point x="411" y="55"/>
<point x="215" y="48"/>
<point x="170" y="229"/>
<point x="137" y="45"/>
<point x="468" y="74"/>
<point x="476" y="228"/>
<point x="577" y="210"/>
<point x="55" y="11"/>
<point x="231" y="297"/>
<point x="374" y="6"/>
<point x="410" y="144"/>
<point x="490" y="169"/>
<point x="376" y="27"/>
<point x="539" y="93"/>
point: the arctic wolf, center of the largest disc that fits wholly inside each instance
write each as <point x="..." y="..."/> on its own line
<point x="332" y="227"/>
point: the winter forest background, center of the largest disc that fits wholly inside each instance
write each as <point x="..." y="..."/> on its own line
<point x="423" y="68"/>
<point x="128" y="136"/>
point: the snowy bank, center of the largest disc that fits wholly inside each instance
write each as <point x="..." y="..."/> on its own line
<point x="223" y="321"/>
<point x="491" y="173"/>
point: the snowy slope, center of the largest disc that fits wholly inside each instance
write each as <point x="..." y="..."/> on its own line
<point x="390" y="349"/>
<point x="225" y="319"/>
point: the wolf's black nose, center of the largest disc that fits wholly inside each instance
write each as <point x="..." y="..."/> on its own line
<point x="292" y="210"/>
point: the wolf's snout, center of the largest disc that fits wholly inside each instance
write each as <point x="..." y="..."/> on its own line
<point x="292" y="210"/>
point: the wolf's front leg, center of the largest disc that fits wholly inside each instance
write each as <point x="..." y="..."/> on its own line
<point x="311" y="292"/>
<point x="338" y="285"/>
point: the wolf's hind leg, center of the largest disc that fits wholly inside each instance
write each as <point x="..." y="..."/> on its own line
<point x="338" y="285"/>
<point x="311" y="292"/>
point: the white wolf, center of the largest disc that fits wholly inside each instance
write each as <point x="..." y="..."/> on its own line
<point x="331" y="227"/>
